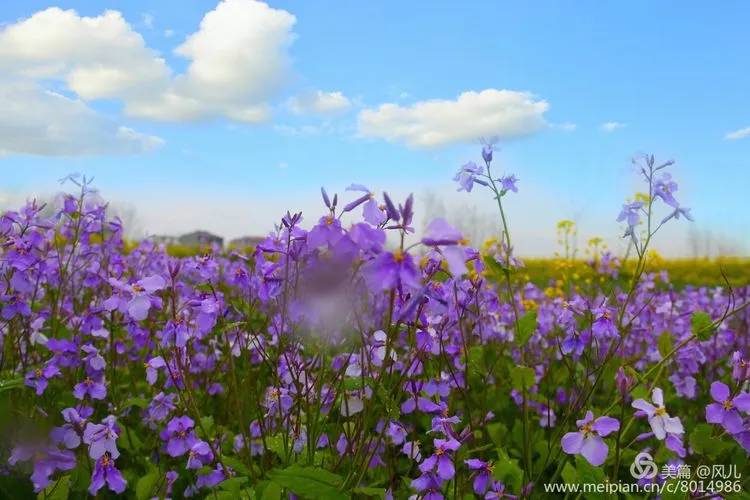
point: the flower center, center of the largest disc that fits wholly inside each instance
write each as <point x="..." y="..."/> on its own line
<point x="728" y="404"/>
<point x="138" y="288"/>
<point x="586" y="429"/>
<point x="398" y="256"/>
<point x="661" y="411"/>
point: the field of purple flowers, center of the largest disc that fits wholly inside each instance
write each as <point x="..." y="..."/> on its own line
<point x="356" y="361"/>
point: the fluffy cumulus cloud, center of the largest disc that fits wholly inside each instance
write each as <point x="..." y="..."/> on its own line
<point x="37" y="121"/>
<point x="319" y="102"/>
<point x="491" y="112"/>
<point x="738" y="134"/>
<point x="236" y="60"/>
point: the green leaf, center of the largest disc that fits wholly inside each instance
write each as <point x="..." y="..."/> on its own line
<point x="497" y="432"/>
<point x="508" y="471"/>
<point x="233" y="484"/>
<point x="275" y="444"/>
<point x="526" y="327"/>
<point x="236" y="464"/>
<point x="494" y="270"/>
<point x="588" y="474"/>
<point x="207" y="425"/>
<point x="310" y="482"/>
<point x="144" y="488"/>
<point x="272" y="491"/>
<point x="702" y="441"/>
<point x="701" y="325"/>
<point x="58" y="490"/>
<point x="665" y="344"/>
<point x="569" y="474"/>
<point x="139" y="402"/>
<point x="522" y="377"/>
<point x="10" y="384"/>
<point x="370" y="492"/>
<point x="129" y="440"/>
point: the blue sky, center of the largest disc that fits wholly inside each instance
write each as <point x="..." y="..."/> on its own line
<point x="669" y="79"/>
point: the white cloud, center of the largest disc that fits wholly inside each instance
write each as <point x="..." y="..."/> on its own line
<point x="738" y="134"/>
<point x="319" y="102"/>
<point x="36" y="121"/>
<point x="565" y="127"/>
<point x="612" y="126"/>
<point x="491" y="112"/>
<point x="168" y="33"/>
<point x="237" y="60"/>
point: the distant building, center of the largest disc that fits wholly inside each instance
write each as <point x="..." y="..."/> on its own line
<point x="162" y="239"/>
<point x="200" y="238"/>
<point x="246" y="242"/>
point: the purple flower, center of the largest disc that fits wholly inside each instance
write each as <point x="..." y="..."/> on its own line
<point x="47" y="460"/>
<point x="90" y="387"/>
<point x="467" y="176"/>
<point x="179" y="436"/>
<point x="630" y="213"/>
<point x="497" y="491"/>
<point x="140" y="292"/>
<point x="440" y="233"/>
<point x="603" y="326"/>
<point x="740" y="367"/>
<point x="371" y="212"/>
<point x="660" y="421"/>
<point x="487" y="149"/>
<point x="106" y="472"/>
<point x="411" y="450"/>
<point x="483" y="474"/>
<point x="508" y="183"/>
<point x="676" y="213"/>
<point x="70" y="433"/>
<point x="93" y="359"/>
<point x="199" y="455"/>
<point x="14" y="306"/>
<point x="428" y="485"/>
<point x="102" y="438"/>
<point x="277" y="398"/>
<point x="574" y="343"/>
<point x="389" y="270"/>
<point x="664" y="187"/>
<point x="726" y="410"/>
<point x="588" y="440"/>
<point x="152" y="367"/>
<point x="161" y="406"/>
<point x="327" y="232"/>
<point x="38" y="378"/>
<point x="441" y="461"/>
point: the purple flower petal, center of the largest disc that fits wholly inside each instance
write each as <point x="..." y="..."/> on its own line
<point x="594" y="450"/>
<point x="719" y="391"/>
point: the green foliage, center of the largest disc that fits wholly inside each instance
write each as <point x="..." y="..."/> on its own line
<point x="310" y="482"/>
<point x="526" y="327"/>
<point x="665" y="344"/>
<point x="522" y="377"/>
<point x="58" y="490"/>
<point x="701" y="325"/>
